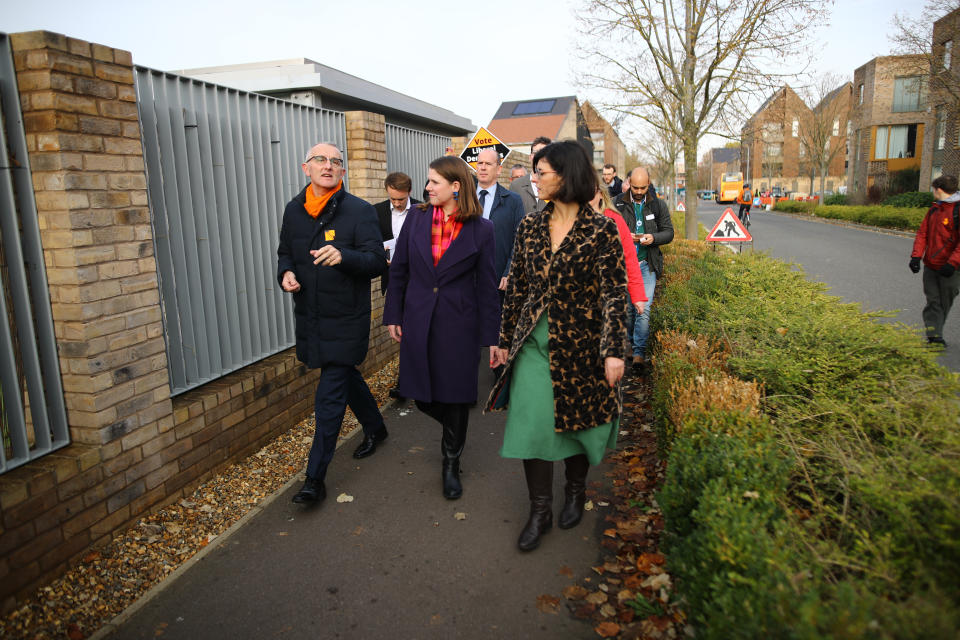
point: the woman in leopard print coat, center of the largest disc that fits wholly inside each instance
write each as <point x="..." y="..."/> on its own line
<point x="563" y="337"/>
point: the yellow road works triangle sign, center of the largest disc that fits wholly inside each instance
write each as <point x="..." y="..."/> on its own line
<point x="729" y="229"/>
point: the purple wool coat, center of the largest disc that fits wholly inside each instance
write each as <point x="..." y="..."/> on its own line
<point x="447" y="313"/>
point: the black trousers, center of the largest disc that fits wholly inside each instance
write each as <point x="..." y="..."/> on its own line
<point x="339" y="386"/>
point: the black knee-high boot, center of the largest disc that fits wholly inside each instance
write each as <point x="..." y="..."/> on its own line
<point x="575" y="491"/>
<point x="451" y="444"/>
<point x="539" y="475"/>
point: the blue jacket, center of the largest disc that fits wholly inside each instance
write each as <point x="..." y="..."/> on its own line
<point x="506" y="214"/>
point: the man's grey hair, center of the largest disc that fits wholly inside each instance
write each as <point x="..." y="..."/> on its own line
<point x="332" y="144"/>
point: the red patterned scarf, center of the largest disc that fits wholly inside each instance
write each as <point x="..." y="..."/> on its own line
<point x="442" y="233"/>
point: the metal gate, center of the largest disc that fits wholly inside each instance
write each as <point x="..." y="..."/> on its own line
<point x="33" y="419"/>
<point x="221" y="165"/>
<point x="412" y="151"/>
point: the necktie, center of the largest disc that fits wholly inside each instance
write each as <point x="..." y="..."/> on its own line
<point x="483" y="197"/>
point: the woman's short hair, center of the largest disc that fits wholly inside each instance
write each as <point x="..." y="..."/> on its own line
<point x="578" y="178"/>
<point x="453" y="169"/>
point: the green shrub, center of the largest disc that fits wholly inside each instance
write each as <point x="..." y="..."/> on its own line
<point x="889" y="217"/>
<point x="795" y="206"/>
<point x="857" y="448"/>
<point x="837" y="198"/>
<point x="910" y="199"/>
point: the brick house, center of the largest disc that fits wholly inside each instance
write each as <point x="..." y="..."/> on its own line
<point x="941" y="151"/>
<point x="889" y="121"/>
<point x="608" y="148"/>
<point x="518" y="122"/>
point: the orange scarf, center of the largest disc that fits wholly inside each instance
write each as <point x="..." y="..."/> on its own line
<point x="315" y="203"/>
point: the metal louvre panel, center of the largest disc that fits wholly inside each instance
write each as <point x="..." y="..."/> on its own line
<point x="28" y="351"/>
<point x="221" y="166"/>
<point x="412" y="151"/>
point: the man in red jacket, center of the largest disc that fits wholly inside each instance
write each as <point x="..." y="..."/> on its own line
<point x="938" y="244"/>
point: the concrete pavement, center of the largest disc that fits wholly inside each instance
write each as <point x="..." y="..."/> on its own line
<point x="395" y="562"/>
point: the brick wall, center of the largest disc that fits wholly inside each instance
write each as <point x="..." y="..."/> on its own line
<point x="134" y="447"/>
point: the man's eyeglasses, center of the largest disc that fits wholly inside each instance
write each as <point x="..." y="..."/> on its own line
<point x="336" y="162"/>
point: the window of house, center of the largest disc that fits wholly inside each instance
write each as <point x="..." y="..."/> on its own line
<point x="795" y="128"/>
<point x="907" y="93"/>
<point x="802" y="151"/>
<point x="849" y="127"/>
<point x="947" y="54"/>
<point x="940" y="141"/>
<point x="860" y="94"/>
<point x="772" y="150"/>
<point x="836" y="128"/>
<point x="857" y="147"/>
<point x="936" y="172"/>
<point x="895" y="141"/>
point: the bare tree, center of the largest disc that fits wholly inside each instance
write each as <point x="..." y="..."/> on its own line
<point x="823" y="128"/>
<point x="914" y="35"/>
<point x="689" y="67"/>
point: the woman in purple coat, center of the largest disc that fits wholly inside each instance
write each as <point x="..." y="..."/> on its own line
<point x="442" y="305"/>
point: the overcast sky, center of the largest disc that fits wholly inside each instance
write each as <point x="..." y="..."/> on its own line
<point x="466" y="57"/>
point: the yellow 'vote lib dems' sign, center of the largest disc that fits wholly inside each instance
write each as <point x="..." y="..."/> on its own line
<point x="481" y="140"/>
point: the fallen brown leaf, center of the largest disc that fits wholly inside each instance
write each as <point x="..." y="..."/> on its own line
<point x="548" y="604"/>
<point x="607" y="629"/>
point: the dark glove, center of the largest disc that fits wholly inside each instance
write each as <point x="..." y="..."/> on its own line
<point x="947" y="270"/>
<point x="915" y="265"/>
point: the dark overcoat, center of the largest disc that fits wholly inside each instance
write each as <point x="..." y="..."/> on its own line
<point x="583" y="289"/>
<point x="332" y="308"/>
<point x="505" y="214"/>
<point x="446" y="312"/>
<point x="657" y="222"/>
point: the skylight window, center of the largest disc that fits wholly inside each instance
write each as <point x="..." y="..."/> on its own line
<point x="537" y="106"/>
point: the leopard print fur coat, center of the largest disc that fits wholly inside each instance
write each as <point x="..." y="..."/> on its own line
<point x="583" y="290"/>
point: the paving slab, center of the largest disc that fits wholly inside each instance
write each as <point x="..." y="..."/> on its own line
<point x="395" y="562"/>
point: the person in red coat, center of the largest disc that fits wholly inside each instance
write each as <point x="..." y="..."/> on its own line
<point x="937" y="244"/>
<point x="442" y="305"/>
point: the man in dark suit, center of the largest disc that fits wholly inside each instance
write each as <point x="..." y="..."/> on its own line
<point x="613" y="183"/>
<point x="392" y="214"/>
<point x="329" y="251"/>
<point x="522" y="185"/>
<point x="501" y="207"/>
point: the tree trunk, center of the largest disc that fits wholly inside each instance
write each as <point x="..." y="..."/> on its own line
<point x="691" y="134"/>
<point x="823" y="177"/>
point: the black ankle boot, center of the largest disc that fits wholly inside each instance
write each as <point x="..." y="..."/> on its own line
<point x="575" y="491"/>
<point x="452" y="489"/>
<point x="539" y="475"/>
<point x="454" y="422"/>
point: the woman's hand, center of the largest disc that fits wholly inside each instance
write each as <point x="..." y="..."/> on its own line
<point x="395" y="331"/>
<point x="498" y="357"/>
<point x="613" y="370"/>
<point x="638" y="306"/>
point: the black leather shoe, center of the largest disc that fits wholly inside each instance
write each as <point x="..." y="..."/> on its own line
<point x="395" y="393"/>
<point x="312" y="492"/>
<point x="369" y="444"/>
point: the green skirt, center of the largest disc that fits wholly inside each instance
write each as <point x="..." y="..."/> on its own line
<point x="530" y="419"/>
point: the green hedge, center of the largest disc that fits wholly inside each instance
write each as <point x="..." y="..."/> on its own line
<point x="907" y="219"/>
<point x="910" y="199"/>
<point x="833" y="508"/>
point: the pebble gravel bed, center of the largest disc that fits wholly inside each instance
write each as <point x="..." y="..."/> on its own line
<point x="109" y="579"/>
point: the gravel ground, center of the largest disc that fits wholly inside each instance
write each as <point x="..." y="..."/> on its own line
<point x="109" y="579"/>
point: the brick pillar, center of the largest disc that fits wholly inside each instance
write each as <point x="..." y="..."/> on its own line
<point x="366" y="154"/>
<point x="80" y="114"/>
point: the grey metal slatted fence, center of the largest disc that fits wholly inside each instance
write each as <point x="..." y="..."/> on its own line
<point x="33" y="418"/>
<point x="221" y="165"/>
<point x="412" y="151"/>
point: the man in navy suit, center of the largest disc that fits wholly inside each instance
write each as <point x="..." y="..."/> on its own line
<point x="500" y="206"/>
<point x="524" y="186"/>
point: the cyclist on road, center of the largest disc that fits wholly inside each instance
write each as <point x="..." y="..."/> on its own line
<point x="745" y="199"/>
